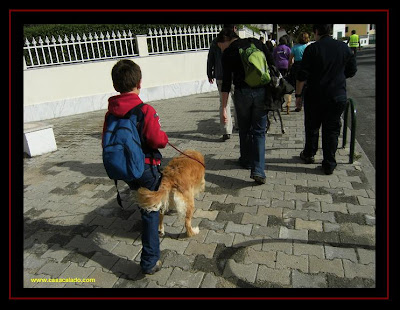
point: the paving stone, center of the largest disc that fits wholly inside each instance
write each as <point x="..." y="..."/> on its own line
<point x="195" y="248"/>
<point x="309" y="249"/>
<point x="181" y="278"/>
<point x="126" y="267"/>
<point x="254" y="219"/>
<point x="304" y="280"/>
<point x="75" y="271"/>
<point x="53" y="269"/>
<point x="352" y="270"/>
<point x="309" y="225"/>
<point x="260" y="257"/>
<point x="100" y="260"/>
<point x="333" y="266"/>
<point x="278" y="276"/>
<point x="211" y="215"/>
<point x="336" y="252"/>
<point x="285" y="261"/>
<point x="214" y="237"/>
<point x="238" y="228"/>
<point x="245" y="272"/>
<point x="209" y="281"/>
<point x="286" y="233"/>
<point x="126" y="250"/>
<point x="173" y="259"/>
<point x="103" y="279"/>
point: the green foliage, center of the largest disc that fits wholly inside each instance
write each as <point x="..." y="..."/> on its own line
<point x="294" y="30"/>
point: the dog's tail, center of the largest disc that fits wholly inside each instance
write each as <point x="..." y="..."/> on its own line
<point x="154" y="200"/>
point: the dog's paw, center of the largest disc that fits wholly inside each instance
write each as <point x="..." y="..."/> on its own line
<point x="161" y="232"/>
<point x="196" y="230"/>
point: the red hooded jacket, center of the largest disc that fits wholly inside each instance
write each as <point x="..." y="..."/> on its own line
<point x="152" y="135"/>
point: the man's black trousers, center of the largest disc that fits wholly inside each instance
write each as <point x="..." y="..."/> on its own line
<point x="325" y="113"/>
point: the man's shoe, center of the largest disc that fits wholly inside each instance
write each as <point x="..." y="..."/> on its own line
<point x="244" y="165"/>
<point x="328" y="170"/>
<point x="258" y="179"/>
<point x="157" y="267"/>
<point x="307" y="160"/>
<point x="226" y="137"/>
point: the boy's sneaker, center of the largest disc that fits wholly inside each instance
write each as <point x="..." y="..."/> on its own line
<point x="307" y="160"/>
<point x="157" y="267"/>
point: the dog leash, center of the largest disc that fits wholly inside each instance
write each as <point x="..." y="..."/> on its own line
<point x="186" y="154"/>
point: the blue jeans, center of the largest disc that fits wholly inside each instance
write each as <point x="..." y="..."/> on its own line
<point x="252" y="118"/>
<point x="151" y="180"/>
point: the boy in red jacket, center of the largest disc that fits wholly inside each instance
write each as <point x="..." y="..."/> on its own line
<point x="127" y="78"/>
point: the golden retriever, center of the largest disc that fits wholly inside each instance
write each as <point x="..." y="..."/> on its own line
<point x="182" y="179"/>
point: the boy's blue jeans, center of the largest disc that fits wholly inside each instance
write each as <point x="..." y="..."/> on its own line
<point x="151" y="180"/>
<point x="252" y="118"/>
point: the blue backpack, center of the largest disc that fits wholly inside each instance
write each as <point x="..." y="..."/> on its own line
<point x="123" y="157"/>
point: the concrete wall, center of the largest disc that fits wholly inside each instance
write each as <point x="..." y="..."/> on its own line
<point x="63" y="90"/>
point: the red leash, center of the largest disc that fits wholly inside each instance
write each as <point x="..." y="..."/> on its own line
<point x="187" y="155"/>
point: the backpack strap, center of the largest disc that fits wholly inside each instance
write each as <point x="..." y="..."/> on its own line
<point x="136" y="110"/>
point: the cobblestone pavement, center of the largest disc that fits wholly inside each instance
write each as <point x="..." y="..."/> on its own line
<point x="300" y="229"/>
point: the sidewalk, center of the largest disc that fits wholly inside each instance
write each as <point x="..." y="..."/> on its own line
<point x="300" y="229"/>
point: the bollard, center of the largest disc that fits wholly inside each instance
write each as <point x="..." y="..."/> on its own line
<point x="350" y="104"/>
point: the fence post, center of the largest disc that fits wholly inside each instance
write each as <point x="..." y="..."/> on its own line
<point x="141" y="41"/>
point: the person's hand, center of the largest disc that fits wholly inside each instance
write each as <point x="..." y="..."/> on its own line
<point x="211" y="81"/>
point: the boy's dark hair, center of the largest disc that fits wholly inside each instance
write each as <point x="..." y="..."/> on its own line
<point x="226" y="34"/>
<point x="323" y="29"/>
<point x="126" y="75"/>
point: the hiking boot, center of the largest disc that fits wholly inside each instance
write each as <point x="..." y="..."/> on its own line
<point x="157" y="267"/>
<point x="307" y="160"/>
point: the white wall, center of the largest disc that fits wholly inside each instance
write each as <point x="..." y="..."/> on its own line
<point x="338" y="28"/>
<point x="63" y="90"/>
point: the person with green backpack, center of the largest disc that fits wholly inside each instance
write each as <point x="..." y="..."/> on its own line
<point x="245" y="62"/>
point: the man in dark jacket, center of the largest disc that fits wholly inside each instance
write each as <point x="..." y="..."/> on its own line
<point x="325" y="66"/>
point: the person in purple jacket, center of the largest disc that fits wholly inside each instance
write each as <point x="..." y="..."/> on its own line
<point x="281" y="56"/>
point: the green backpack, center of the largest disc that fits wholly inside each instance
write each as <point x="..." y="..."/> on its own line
<point x="255" y="66"/>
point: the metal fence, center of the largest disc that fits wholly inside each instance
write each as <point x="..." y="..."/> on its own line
<point x="180" y="40"/>
<point x="83" y="48"/>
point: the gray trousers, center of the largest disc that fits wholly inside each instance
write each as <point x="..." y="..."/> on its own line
<point x="226" y="128"/>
